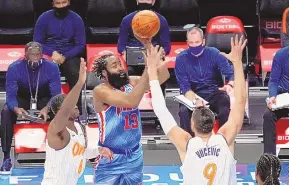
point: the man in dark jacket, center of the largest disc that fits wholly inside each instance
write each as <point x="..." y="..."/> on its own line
<point x="30" y="84"/>
<point x="62" y="35"/>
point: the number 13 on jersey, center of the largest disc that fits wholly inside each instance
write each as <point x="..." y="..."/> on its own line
<point x="131" y="121"/>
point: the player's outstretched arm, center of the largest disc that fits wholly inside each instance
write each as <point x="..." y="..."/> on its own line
<point x="235" y="122"/>
<point x="60" y="120"/>
<point x="177" y="135"/>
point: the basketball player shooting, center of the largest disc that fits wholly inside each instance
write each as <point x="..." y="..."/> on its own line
<point x="66" y="146"/>
<point x="206" y="158"/>
<point x="116" y="103"/>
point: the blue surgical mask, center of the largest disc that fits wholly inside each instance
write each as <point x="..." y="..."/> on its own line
<point x="196" y="50"/>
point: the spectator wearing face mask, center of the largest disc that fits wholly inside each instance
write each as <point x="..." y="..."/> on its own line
<point x="127" y="38"/>
<point x="62" y="35"/>
<point x="199" y="70"/>
<point x="30" y="84"/>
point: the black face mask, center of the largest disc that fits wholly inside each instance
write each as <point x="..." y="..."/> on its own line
<point x="34" y="64"/>
<point x="144" y="6"/>
<point x="61" y="12"/>
<point x="118" y="80"/>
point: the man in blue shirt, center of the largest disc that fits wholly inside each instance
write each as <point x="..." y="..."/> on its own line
<point x="278" y="84"/>
<point x="199" y="70"/>
<point x="127" y="39"/>
<point x="30" y="84"/>
<point x="62" y="35"/>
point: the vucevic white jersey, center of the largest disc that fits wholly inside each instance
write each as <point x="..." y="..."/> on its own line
<point x="65" y="166"/>
<point x="209" y="163"/>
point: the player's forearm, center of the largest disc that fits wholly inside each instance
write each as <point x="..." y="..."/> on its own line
<point x="239" y="84"/>
<point x="67" y="107"/>
<point x="159" y="105"/>
<point x="136" y="95"/>
<point x="163" y="73"/>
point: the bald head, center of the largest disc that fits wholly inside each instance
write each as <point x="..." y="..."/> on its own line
<point x="195" y="37"/>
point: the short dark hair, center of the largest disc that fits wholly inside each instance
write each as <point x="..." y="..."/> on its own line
<point x="269" y="168"/>
<point x="100" y="64"/>
<point x="204" y="120"/>
<point x="56" y="102"/>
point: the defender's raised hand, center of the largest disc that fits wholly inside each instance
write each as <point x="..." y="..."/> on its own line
<point x="237" y="47"/>
<point x="82" y="71"/>
<point x="153" y="56"/>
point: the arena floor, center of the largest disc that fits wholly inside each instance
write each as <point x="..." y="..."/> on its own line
<point x="161" y="158"/>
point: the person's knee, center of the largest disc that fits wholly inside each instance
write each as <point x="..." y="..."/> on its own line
<point x="269" y="119"/>
<point x="268" y="115"/>
<point x="6" y="112"/>
<point x="183" y="110"/>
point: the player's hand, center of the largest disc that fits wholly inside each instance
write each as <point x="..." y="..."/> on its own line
<point x="237" y="47"/>
<point x="106" y="152"/>
<point x="43" y="113"/>
<point x="82" y="72"/>
<point x="272" y="101"/>
<point x="227" y="88"/>
<point x="20" y="112"/>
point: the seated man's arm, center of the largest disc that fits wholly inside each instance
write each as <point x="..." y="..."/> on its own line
<point x="225" y="68"/>
<point x="275" y="74"/>
<point x="40" y="33"/>
<point x="11" y="87"/>
<point x="79" y="39"/>
<point x="123" y="36"/>
<point x="103" y="94"/>
<point x="183" y="79"/>
<point x="165" y="40"/>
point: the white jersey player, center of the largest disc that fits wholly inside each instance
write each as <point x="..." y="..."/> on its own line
<point x="206" y="158"/>
<point x="66" y="146"/>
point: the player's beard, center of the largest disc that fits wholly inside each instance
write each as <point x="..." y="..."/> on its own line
<point x="118" y="80"/>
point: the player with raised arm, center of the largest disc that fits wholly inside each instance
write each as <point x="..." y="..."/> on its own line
<point x="116" y="103"/>
<point x="206" y="158"/>
<point x="66" y="146"/>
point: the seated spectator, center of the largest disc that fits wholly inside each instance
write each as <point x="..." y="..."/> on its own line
<point x="278" y="84"/>
<point x="127" y="38"/>
<point x="30" y="84"/>
<point x="62" y="35"/>
<point x="198" y="71"/>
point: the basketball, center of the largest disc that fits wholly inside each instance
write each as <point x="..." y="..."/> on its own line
<point x="145" y="24"/>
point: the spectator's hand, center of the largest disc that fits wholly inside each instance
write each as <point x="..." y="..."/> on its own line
<point x="237" y="47"/>
<point x="43" y="113"/>
<point x="56" y="57"/>
<point x="106" y="152"/>
<point x="82" y="72"/>
<point x="62" y="59"/>
<point x="20" y="112"/>
<point x="147" y="42"/>
<point x="272" y="101"/>
<point x="227" y="89"/>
